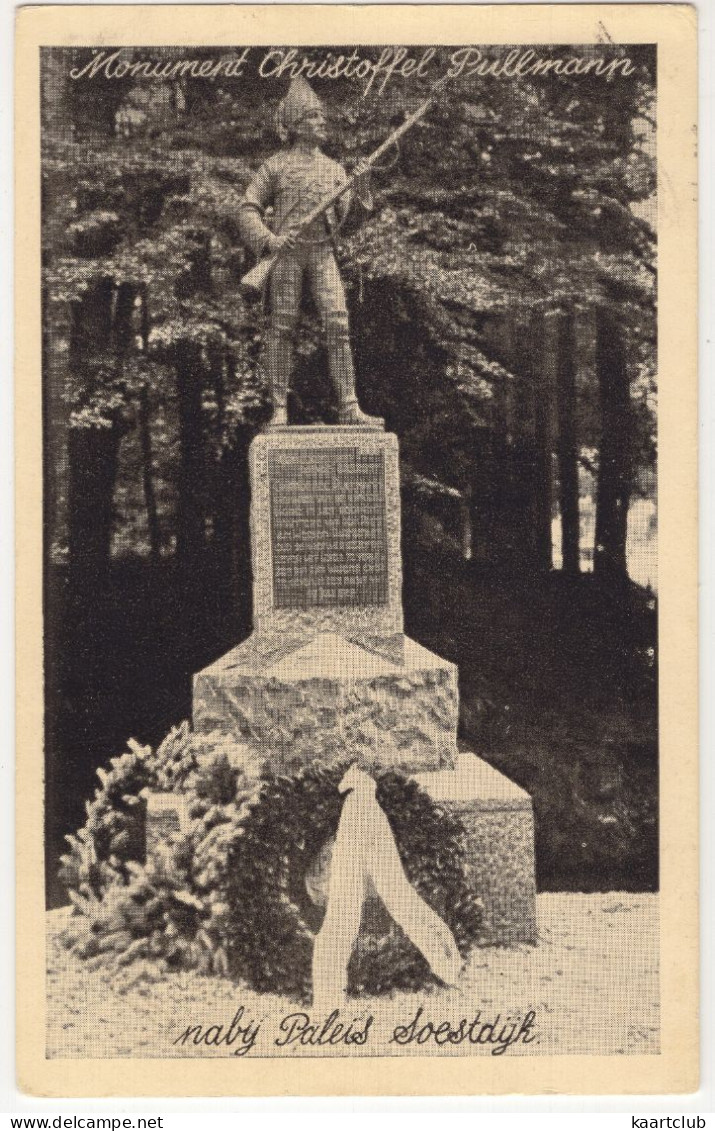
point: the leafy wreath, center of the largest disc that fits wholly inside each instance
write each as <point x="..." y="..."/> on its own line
<point x="230" y="896"/>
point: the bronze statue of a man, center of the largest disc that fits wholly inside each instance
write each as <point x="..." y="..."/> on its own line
<point x="292" y="182"/>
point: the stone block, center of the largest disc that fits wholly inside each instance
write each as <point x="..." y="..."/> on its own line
<point x="499" y="844"/>
<point x="330" y="698"/>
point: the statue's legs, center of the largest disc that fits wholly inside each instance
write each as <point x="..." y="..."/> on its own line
<point x="278" y="363"/>
<point x="329" y="296"/>
<point x="286" y="288"/>
<point x="286" y="285"/>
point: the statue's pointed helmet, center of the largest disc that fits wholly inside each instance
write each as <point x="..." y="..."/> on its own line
<point x="299" y="101"/>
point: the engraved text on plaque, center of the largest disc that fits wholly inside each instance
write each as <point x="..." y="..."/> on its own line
<point x="328" y="529"/>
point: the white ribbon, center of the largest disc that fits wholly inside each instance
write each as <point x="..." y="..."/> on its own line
<point x="365" y="857"/>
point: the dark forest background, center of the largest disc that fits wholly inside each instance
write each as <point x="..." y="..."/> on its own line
<point x="502" y="297"/>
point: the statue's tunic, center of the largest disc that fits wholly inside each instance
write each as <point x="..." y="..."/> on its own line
<point x="292" y="183"/>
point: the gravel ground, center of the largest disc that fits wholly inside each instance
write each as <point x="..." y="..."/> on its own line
<point x="590" y="986"/>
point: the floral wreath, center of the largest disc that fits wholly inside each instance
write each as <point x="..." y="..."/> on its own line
<point x="235" y="895"/>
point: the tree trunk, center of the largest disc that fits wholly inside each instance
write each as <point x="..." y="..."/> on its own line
<point x="190" y="534"/>
<point x="483" y="497"/>
<point x="122" y="324"/>
<point x="144" y="423"/>
<point x="542" y="362"/>
<point x="523" y="447"/>
<point x="92" y="451"/>
<point x="567" y="443"/>
<point x="614" y="465"/>
<point x="152" y="513"/>
<point x="232" y="526"/>
<point x="92" y="474"/>
<point x="91" y="323"/>
<point x="466" y="534"/>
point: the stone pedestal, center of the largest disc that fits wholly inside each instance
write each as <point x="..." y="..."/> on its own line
<point x="331" y="695"/>
<point x="328" y="669"/>
<point x="328" y="672"/>
<point x="498" y="825"/>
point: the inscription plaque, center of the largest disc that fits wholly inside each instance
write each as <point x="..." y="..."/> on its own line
<point x="328" y="529"/>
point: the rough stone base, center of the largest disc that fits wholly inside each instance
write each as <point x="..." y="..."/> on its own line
<point x="331" y="697"/>
<point x="499" y="829"/>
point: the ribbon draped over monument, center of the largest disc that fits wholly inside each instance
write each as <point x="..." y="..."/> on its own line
<point x="365" y="861"/>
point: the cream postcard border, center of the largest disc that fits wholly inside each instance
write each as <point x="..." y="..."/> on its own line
<point x="674" y="29"/>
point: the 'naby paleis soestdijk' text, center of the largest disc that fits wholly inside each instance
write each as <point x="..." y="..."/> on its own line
<point x="299" y="1029"/>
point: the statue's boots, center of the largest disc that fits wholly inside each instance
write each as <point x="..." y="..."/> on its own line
<point x="341" y="370"/>
<point x="279" y="361"/>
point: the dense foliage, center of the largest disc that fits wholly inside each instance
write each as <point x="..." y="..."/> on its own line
<point x="230" y="896"/>
<point x="510" y="205"/>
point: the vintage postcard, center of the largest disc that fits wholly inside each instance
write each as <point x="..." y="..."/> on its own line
<point x="356" y="542"/>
